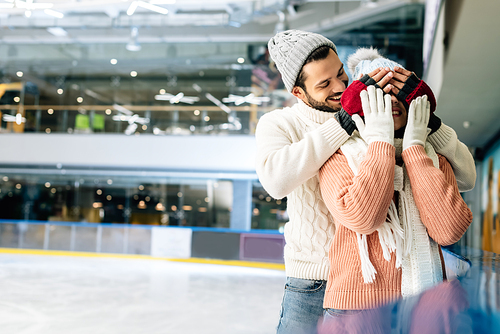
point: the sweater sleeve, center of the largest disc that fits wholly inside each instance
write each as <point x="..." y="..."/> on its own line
<point x="445" y="142"/>
<point x="442" y="209"/>
<point x="281" y="164"/>
<point x="360" y="202"/>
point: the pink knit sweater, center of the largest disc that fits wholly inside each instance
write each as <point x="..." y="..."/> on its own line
<point x="360" y="204"/>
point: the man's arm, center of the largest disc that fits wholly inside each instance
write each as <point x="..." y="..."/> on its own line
<point x="281" y="164"/>
<point x="446" y="143"/>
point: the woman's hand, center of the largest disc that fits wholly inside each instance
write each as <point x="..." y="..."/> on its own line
<point x="416" y="128"/>
<point x="377" y="109"/>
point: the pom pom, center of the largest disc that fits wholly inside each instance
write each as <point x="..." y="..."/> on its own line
<point x="360" y="55"/>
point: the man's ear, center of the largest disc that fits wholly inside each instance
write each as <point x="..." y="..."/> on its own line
<point x="298" y="92"/>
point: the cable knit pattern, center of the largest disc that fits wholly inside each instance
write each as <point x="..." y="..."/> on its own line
<point x="292" y="145"/>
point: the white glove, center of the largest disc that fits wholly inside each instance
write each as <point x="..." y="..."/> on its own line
<point x="418" y="117"/>
<point x="378" y="125"/>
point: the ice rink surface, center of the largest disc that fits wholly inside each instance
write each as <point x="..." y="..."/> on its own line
<point x="73" y="295"/>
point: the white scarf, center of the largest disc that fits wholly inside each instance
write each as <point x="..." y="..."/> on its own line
<point x="403" y="232"/>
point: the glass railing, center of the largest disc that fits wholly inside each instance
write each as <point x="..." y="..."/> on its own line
<point x="130" y="120"/>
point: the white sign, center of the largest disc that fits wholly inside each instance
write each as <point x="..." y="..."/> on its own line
<point x="171" y="242"/>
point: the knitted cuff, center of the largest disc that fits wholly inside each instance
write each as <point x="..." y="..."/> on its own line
<point x="413" y="88"/>
<point x="350" y="100"/>
<point x="345" y="121"/>
<point x="434" y="123"/>
<point x="368" y="81"/>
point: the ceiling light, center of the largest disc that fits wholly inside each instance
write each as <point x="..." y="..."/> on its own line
<point x="250" y="98"/>
<point x="133" y="47"/>
<point x="131" y="9"/>
<point x="6" y="5"/>
<point x="113" y="61"/>
<point x="162" y="2"/>
<point x="60" y="91"/>
<point x="217" y="102"/>
<point x="180" y="97"/>
<point x="19" y="74"/>
<point x="27" y="13"/>
<point x="241" y="60"/>
<point x="146" y="5"/>
<point x="20" y="119"/>
<point x="11" y="118"/>
<point x="371" y="3"/>
<point x="122" y="109"/>
<point x="142" y="205"/>
<point x="133" y="6"/>
<point x="29" y="5"/>
<point x="54" y="13"/>
<point x="133" y="74"/>
<point x="57" y="31"/>
<point x="153" y="8"/>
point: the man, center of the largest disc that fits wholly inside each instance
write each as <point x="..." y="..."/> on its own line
<point x="292" y="145"/>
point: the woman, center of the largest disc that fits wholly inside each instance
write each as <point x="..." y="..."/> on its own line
<point x="394" y="201"/>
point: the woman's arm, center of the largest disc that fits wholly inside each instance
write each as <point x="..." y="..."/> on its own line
<point x="442" y="209"/>
<point x="360" y="202"/>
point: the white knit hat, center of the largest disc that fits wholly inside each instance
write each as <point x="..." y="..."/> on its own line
<point x="365" y="60"/>
<point x="290" y="49"/>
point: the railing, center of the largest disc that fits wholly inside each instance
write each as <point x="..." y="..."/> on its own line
<point x="158" y="120"/>
<point x="168" y="242"/>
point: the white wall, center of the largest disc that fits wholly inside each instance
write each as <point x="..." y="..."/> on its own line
<point x="198" y="153"/>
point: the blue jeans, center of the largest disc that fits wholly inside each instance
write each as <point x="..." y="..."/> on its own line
<point x="302" y="306"/>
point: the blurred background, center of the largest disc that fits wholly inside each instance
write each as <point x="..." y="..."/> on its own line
<point x="128" y="114"/>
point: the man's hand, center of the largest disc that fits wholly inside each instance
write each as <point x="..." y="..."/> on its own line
<point x="380" y="77"/>
<point x="407" y="87"/>
<point x="400" y="76"/>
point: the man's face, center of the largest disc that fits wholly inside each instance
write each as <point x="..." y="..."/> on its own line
<point x="399" y="113"/>
<point x="325" y="81"/>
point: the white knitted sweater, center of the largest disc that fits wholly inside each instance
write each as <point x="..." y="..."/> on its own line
<point x="292" y="145"/>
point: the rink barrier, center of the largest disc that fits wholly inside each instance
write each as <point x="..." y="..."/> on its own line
<point x="261" y="265"/>
<point x="255" y="248"/>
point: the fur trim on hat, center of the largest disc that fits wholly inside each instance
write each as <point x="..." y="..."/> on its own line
<point x="360" y="55"/>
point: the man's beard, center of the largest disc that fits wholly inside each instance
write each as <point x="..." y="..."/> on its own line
<point x="323" y="106"/>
